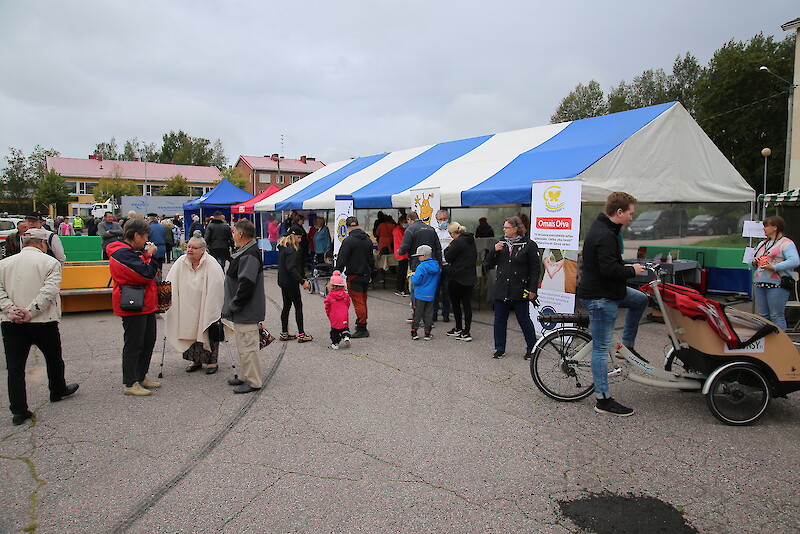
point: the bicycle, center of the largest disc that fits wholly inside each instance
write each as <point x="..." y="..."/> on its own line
<point x="738" y="360"/>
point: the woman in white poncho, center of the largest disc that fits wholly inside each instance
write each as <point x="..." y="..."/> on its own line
<point x="197" y="297"/>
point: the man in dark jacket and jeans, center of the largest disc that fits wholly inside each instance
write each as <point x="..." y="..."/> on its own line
<point x="603" y="291"/>
<point x="245" y="305"/>
<point x="357" y="261"/>
<point x="219" y="239"/>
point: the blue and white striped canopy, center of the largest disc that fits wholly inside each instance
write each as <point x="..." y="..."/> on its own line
<point x="658" y="154"/>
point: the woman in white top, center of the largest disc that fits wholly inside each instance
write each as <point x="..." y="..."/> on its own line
<point x="197" y="298"/>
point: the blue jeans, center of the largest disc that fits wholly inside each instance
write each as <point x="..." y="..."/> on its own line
<point x="442" y="294"/>
<point x="771" y="304"/>
<point x="502" y="309"/>
<point x="603" y="317"/>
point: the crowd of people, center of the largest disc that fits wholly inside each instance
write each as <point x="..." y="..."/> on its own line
<point x="218" y="287"/>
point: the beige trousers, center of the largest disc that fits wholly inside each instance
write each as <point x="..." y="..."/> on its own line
<point x="247" y="345"/>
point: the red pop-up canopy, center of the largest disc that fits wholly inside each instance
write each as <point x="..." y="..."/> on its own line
<point x="247" y="207"/>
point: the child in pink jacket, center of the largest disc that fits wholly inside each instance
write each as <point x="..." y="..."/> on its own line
<point x="337" y="308"/>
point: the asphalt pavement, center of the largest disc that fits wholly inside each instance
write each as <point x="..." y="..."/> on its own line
<point x="390" y="435"/>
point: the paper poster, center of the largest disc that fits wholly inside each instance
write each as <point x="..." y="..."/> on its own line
<point x="753" y="229"/>
<point x="559" y="270"/>
<point x="749" y="254"/>
<point x="551" y="302"/>
<point x="343" y="207"/>
<point x="556" y="214"/>
<point x="426" y="202"/>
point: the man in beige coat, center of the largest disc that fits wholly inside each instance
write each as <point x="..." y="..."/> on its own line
<point x="30" y="308"/>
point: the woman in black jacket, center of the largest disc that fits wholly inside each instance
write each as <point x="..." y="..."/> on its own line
<point x="462" y="256"/>
<point x="517" y="281"/>
<point x="290" y="279"/>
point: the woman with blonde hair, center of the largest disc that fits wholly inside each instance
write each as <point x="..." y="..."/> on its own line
<point x="290" y="279"/>
<point x="462" y="255"/>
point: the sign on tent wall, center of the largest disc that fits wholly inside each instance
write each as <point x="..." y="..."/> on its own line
<point x="426" y="202"/>
<point x="343" y="207"/>
<point x="556" y="222"/>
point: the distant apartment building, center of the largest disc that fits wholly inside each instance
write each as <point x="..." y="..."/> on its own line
<point x="275" y="170"/>
<point x="83" y="175"/>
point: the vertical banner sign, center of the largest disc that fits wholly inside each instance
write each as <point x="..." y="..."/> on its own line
<point x="426" y="202"/>
<point x="556" y="222"/>
<point x="343" y="207"/>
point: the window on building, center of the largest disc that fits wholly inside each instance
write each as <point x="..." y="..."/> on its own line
<point x="264" y="177"/>
<point x="73" y="187"/>
<point x="153" y="190"/>
<point x="279" y="180"/>
<point x="197" y="191"/>
<point x="295" y="178"/>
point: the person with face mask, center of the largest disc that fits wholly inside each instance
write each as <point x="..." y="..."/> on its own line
<point x="442" y="294"/>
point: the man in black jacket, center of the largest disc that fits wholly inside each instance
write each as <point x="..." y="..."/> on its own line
<point x="603" y="291"/>
<point x="219" y="239"/>
<point x="357" y="261"/>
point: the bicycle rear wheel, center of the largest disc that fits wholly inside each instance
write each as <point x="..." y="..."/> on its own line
<point x="557" y="368"/>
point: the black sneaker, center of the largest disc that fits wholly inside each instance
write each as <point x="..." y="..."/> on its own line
<point x="445" y="318"/>
<point x="414" y="335"/>
<point x="612" y="407"/>
<point x="454" y="332"/>
<point x="527" y="355"/>
<point x="498" y="354"/>
<point x="464" y="336"/>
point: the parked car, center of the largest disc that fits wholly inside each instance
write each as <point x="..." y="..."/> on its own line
<point x="7" y="226"/>
<point x="655" y="224"/>
<point x="711" y="224"/>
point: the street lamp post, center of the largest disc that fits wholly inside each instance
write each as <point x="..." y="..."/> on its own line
<point x="791" y="89"/>
<point x="766" y="152"/>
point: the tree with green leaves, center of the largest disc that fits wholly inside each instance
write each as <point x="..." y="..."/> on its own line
<point x="107" y="150"/>
<point x="176" y="186"/>
<point x="37" y="162"/>
<point x="743" y="109"/>
<point x="235" y="176"/>
<point x="583" y="102"/>
<point x="53" y="191"/>
<point x="115" y="187"/>
<point x="16" y="180"/>
<point x="135" y="149"/>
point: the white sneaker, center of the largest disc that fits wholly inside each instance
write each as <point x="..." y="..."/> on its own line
<point x="335" y="346"/>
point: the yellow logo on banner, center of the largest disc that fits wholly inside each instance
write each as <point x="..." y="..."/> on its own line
<point x="552" y="198"/>
<point x="341" y="228"/>
<point x="425" y="209"/>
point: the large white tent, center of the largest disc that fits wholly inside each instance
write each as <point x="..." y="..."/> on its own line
<point x="657" y="153"/>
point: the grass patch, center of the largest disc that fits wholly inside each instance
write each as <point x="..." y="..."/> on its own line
<point x="724" y="241"/>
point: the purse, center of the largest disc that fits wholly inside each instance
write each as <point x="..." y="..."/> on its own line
<point x="216" y="332"/>
<point x="787" y="282"/>
<point x="264" y="337"/>
<point x="131" y="298"/>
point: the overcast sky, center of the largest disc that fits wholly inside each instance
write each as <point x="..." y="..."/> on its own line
<point x="337" y="79"/>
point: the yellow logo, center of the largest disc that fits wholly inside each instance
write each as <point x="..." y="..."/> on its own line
<point x="552" y="198"/>
<point x="341" y="228"/>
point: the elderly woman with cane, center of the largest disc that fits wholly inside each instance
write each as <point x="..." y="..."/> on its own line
<point x="197" y="297"/>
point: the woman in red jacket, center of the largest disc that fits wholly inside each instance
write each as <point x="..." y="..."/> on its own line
<point x="402" y="259"/>
<point x="132" y="263"/>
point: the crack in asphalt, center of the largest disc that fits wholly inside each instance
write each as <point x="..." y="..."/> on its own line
<point x="34" y="496"/>
<point x="146" y="504"/>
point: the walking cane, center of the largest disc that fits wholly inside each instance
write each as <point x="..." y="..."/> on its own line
<point x="163" y="350"/>
<point x="230" y="360"/>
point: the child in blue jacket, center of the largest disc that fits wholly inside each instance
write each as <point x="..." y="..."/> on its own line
<point x="425" y="280"/>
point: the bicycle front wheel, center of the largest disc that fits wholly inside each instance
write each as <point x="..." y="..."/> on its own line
<point x="561" y="364"/>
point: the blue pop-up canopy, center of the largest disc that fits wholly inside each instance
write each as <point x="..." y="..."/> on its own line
<point x="221" y="198"/>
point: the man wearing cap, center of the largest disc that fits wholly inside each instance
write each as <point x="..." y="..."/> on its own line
<point x="14" y="239"/>
<point x="53" y="242"/>
<point x="158" y="236"/>
<point x="419" y="233"/>
<point x="30" y="308"/>
<point x="357" y="261"/>
<point x="219" y="239"/>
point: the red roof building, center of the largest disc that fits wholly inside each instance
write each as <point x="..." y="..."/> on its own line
<point x="82" y="176"/>
<point x="275" y="170"/>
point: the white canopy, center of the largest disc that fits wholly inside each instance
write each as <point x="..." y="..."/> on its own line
<point x="658" y="154"/>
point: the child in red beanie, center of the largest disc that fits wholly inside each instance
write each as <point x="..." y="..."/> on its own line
<point x="337" y="308"/>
